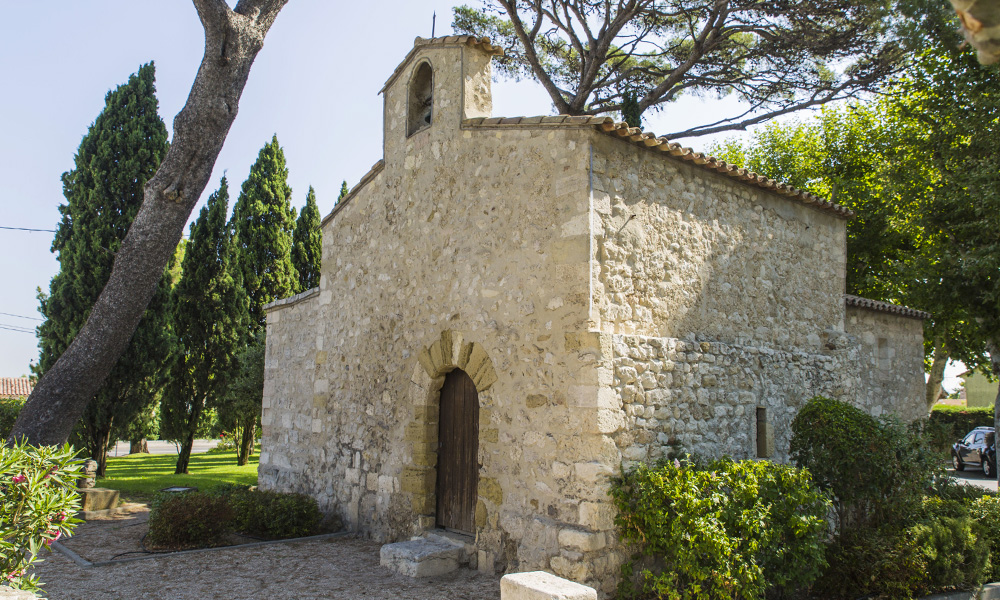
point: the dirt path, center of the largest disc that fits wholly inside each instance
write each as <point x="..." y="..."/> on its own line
<point x="330" y="568"/>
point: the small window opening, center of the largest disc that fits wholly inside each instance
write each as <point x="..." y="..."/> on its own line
<point x="765" y="435"/>
<point x="421" y="99"/>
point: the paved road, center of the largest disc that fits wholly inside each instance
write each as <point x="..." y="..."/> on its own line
<point x="975" y="477"/>
<point x="161" y="447"/>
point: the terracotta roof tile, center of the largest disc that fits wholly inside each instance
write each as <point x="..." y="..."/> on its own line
<point x="451" y="40"/>
<point x="15" y="387"/>
<point x="651" y="141"/>
<point x="885" y="307"/>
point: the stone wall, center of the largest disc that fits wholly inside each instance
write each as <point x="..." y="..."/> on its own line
<point x="678" y="250"/>
<point x="890" y="362"/>
<point x="608" y="303"/>
<point x="468" y="248"/>
<point x="702" y="397"/>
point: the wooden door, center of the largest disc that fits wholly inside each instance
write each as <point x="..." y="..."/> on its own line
<point x="458" y="450"/>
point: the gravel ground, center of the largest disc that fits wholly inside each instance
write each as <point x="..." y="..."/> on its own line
<point x="330" y="568"/>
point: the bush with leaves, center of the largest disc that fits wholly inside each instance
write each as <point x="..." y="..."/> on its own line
<point x="876" y="470"/>
<point x="188" y="520"/>
<point x="731" y="529"/>
<point x="9" y="409"/>
<point x="270" y="514"/>
<point x="953" y="422"/>
<point x="986" y="511"/>
<point x="37" y="499"/>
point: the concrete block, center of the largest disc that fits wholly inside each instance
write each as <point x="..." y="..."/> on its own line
<point x="92" y="499"/>
<point x="539" y="585"/>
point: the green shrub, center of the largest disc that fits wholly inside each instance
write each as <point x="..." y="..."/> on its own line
<point x="951" y="423"/>
<point x="274" y="515"/>
<point x="944" y="550"/>
<point x="954" y="548"/>
<point x="986" y="511"/>
<point x="880" y="562"/>
<point x="9" y="409"/>
<point x="37" y="499"/>
<point x="732" y="529"/>
<point x="188" y="520"/>
<point x="876" y="470"/>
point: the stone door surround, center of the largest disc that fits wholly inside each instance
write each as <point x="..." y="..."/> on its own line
<point x="419" y="477"/>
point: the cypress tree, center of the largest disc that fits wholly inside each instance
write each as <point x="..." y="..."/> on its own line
<point x="344" y="190"/>
<point x="241" y="410"/>
<point x="120" y="152"/>
<point x="307" y="244"/>
<point x="210" y="312"/>
<point x="631" y="113"/>
<point x="262" y="226"/>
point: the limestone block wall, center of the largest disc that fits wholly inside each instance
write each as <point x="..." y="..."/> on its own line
<point x="890" y="359"/>
<point x="703" y="397"/>
<point x="678" y="250"/>
<point x="474" y="245"/>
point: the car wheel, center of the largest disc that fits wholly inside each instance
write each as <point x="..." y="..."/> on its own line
<point x="957" y="462"/>
<point x="988" y="468"/>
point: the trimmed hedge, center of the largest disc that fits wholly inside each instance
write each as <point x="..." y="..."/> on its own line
<point x="951" y="423"/>
<point x="203" y="519"/>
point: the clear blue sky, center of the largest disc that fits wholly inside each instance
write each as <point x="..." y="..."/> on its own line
<point x="315" y="84"/>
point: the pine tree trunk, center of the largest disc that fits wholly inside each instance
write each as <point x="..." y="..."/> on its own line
<point x="246" y="441"/>
<point x="232" y="39"/>
<point x="936" y="376"/>
<point x="138" y="446"/>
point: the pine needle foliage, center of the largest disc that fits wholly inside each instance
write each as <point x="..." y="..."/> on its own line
<point x="211" y="312"/>
<point x="307" y="244"/>
<point x="120" y="152"/>
<point x="262" y="226"/>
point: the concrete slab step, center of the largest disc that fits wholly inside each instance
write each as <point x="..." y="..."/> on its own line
<point x="420" y="557"/>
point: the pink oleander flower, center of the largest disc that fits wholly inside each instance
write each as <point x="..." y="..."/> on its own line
<point x="59" y="516"/>
<point x="50" y="532"/>
<point x="19" y="478"/>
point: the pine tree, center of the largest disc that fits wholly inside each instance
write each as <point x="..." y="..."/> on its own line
<point x="120" y="152"/>
<point x="210" y="312"/>
<point x="307" y="244"/>
<point x="262" y="226"/>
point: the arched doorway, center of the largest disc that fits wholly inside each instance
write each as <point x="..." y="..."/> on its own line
<point x="458" y="453"/>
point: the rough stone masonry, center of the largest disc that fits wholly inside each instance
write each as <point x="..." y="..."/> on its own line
<point x="611" y="295"/>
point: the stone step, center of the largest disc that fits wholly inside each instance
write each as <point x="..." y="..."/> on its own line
<point x="465" y="542"/>
<point x="421" y="557"/>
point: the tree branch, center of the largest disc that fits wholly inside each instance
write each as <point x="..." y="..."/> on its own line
<point x="232" y="40"/>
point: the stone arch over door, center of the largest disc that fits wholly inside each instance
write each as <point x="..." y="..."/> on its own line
<point x="419" y="478"/>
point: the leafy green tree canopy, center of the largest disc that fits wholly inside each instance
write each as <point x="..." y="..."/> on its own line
<point x="777" y="57"/>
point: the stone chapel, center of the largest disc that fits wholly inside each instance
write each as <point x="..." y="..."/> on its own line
<point x="510" y="309"/>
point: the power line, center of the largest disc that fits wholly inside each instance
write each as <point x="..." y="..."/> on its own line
<point x="21" y="316"/>
<point x="27" y="229"/>
<point x="17" y="329"/>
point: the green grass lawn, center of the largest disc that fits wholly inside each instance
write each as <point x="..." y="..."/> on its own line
<point x="140" y="476"/>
